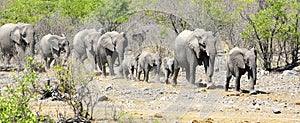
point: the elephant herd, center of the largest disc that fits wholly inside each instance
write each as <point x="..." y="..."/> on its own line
<point x="191" y="48"/>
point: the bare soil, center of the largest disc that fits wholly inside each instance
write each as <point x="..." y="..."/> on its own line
<point x="132" y="101"/>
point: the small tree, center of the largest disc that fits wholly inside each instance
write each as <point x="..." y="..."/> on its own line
<point x="74" y="85"/>
<point x="275" y="29"/>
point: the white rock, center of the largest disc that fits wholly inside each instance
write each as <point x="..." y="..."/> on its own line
<point x="276" y="111"/>
<point x="289" y="73"/>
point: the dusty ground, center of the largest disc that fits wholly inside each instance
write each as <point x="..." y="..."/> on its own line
<point x="131" y="101"/>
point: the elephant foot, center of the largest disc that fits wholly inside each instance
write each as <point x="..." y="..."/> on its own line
<point x="226" y="89"/>
<point x="167" y="82"/>
<point x="174" y="85"/>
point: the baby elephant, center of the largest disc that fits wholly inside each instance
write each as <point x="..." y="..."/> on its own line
<point x="239" y="62"/>
<point x="146" y="62"/>
<point x="52" y="46"/>
<point x="167" y="67"/>
<point x="128" y="66"/>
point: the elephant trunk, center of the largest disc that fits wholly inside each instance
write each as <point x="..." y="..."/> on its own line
<point x="211" y="68"/>
<point x="170" y="68"/>
<point x="252" y="75"/>
<point x="31" y="40"/>
<point x="68" y="52"/>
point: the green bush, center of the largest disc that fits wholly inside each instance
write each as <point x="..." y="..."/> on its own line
<point x="14" y="102"/>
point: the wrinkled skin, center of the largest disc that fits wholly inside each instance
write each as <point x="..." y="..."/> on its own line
<point x="167" y="67"/>
<point x="129" y="65"/>
<point x="17" y="40"/>
<point x="110" y="46"/>
<point x="239" y="62"/>
<point x="193" y="48"/>
<point x="51" y="47"/>
<point x="84" y="45"/>
<point x="146" y="62"/>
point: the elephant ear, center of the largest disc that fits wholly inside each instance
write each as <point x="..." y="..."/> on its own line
<point x="107" y="42"/>
<point x="54" y="43"/>
<point x="16" y="35"/>
<point x="237" y="57"/>
<point x="193" y="43"/>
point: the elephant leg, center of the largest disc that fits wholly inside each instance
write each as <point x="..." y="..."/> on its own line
<point x="237" y="83"/>
<point x="176" y="71"/>
<point x="146" y="75"/>
<point x="103" y="69"/>
<point x="7" y="59"/>
<point x="139" y="75"/>
<point x="192" y="71"/>
<point x="138" y="72"/>
<point x="110" y="65"/>
<point x="167" y="73"/>
<point x="228" y="78"/>
<point x="131" y="70"/>
<point x="124" y="74"/>
<point x="187" y="74"/>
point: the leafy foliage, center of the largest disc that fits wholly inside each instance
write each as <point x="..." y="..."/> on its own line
<point x="28" y="11"/>
<point x="274" y="27"/>
<point x="14" y="103"/>
<point x="31" y="11"/>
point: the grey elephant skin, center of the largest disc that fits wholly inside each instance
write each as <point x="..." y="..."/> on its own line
<point x="146" y="62"/>
<point x="239" y="62"/>
<point x="84" y="45"/>
<point x="167" y="67"/>
<point x="16" y="40"/>
<point x="193" y="48"/>
<point x="111" y="46"/>
<point x="52" y="46"/>
<point x="128" y="66"/>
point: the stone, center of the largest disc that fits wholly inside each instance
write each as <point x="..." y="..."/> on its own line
<point x="289" y="73"/>
<point x="108" y="87"/>
<point x="103" y="98"/>
<point x="257" y="106"/>
<point x="157" y="115"/>
<point x="276" y="111"/>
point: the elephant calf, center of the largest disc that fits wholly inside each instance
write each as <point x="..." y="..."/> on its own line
<point x="167" y="67"/>
<point x="128" y="66"/>
<point x="147" y="61"/>
<point x="239" y="62"/>
<point x="52" y="46"/>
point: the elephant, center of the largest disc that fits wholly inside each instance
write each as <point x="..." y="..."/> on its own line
<point x="16" y="40"/>
<point x="84" y="45"/>
<point x="193" y="48"/>
<point x="51" y="46"/>
<point x="129" y="65"/>
<point x="110" y="46"/>
<point x="239" y="62"/>
<point x="146" y="62"/>
<point x="167" y="67"/>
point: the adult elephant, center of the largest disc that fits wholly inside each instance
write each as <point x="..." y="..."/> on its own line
<point x="84" y="45"/>
<point x="51" y="47"/>
<point x="16" y="40"/>
<point x="239" y="62"/>
<point x="110" y="46"/>
<point x="193" y="48"/>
